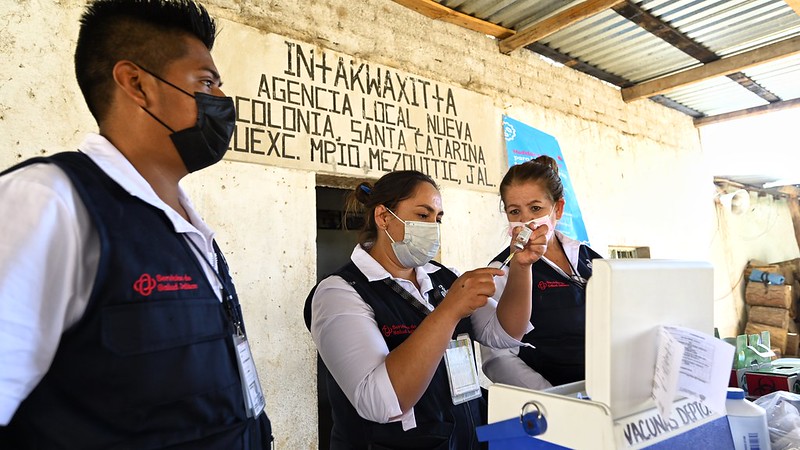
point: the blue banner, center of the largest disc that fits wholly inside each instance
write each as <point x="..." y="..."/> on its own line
<point x="524" y="143"/>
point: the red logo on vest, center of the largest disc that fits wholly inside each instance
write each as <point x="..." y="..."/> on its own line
<point x="144" y="285"/>
<point x="544" y="285"/>
<point x="397" y="330"/>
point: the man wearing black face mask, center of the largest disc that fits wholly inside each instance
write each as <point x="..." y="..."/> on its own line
<point x="119" y="322"/>
<point x="205" y="143"/>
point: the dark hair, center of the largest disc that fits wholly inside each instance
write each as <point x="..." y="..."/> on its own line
<point x="543" y="170"/>
<point x="388" y="191"/>
<point x="147" y="32"/>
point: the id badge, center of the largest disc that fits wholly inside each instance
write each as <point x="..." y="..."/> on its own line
<point x="462" y="372"/>
<point x="253" y="395"/>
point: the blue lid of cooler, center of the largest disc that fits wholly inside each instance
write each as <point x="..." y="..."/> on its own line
<point x="735" y="393"/>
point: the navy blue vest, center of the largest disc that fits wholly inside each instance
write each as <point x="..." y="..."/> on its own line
<point x="151" y="364"/>
<point x="558" y="315"/>
<point x="440" y="424"/>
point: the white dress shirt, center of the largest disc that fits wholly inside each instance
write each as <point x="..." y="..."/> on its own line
<point x="49" y="251"/>
<point x="346" y="334"/>
<point x="503" y="365"/>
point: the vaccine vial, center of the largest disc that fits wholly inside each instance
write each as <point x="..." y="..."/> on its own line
<point x="522" y="238"/>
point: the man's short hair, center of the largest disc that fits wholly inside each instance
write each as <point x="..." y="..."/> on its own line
<point x="148" y="32"/>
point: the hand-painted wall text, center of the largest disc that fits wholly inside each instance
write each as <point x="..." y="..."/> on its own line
<point x="303" y="106"/>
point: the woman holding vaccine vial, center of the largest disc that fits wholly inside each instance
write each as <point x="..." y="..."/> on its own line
<point x="533" y="196"/>
<point x="395" y="329"/>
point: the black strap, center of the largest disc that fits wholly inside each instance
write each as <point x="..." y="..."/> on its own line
<point x="576" y="278"/>
<point x="234" y="313"/>
<point x="438" y="295"/>
<point x="353" y="276"/>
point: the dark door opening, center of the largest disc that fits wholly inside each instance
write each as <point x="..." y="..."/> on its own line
<point x="335" y="242"/>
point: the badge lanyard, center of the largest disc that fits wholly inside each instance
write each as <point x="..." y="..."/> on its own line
<point x="459" y="357"/>
<point x="251" y="387"/>
<point x="438" y="296"/>
<point x="576" y="276"/>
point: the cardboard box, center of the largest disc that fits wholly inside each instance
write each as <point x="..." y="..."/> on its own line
<point x="782" y="375"/>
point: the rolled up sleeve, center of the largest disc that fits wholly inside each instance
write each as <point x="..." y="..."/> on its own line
<point x="489" y="331"/>
<point x="505" y="366"/>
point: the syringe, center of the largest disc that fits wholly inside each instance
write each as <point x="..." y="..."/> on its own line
<point x="508" y="260"/>
<point x="519" y="243"/>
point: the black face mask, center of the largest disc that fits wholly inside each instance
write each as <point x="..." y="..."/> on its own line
<point x="205" y="143"/>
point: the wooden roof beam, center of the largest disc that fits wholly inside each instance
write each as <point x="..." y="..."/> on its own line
<point x="436" y="11"/>
<point x="752" y="86"/>
<point x="684" y="43"/>
<point x="574" y="63"/>
<point x="665" y="31"/>
<point x="714" y="69"/>
<point x="758" y="110"/>
<point x="555" y="23"/>
<point x="670" y="103"/>
<point x="795" y="4"/>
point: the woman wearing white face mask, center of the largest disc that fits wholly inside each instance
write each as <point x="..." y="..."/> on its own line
<point x="394" y="329"/>
<point x="532" y="194"/>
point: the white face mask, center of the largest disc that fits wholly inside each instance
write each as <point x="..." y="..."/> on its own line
<point x="420" y="242"/>
<point x="534" y="224"/>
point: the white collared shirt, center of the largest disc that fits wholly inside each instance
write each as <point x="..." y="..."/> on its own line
<point x="49" y="253"/>
<point x="346" y="334"/>
<point x="503" y="365"/>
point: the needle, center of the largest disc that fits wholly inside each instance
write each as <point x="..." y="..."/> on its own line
<point x="508" y="260"/>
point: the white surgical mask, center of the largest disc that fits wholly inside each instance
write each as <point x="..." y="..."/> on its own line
<point x="420" y="242"/>
<point x="534" y="224"/>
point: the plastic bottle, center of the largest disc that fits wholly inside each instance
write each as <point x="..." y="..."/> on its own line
<point x="748" y="422"/>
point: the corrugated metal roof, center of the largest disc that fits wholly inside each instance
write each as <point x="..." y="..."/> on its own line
<point x="707" y="96"/>
<point x="728" y="26"/>
<point x="782" y="76"/>
<point x="618" y="46"/>
<point x="615" y="45"/>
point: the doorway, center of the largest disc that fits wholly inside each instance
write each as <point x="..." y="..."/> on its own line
<point x="337" y="235"/>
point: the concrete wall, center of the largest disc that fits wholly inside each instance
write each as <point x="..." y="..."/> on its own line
<point x="637" y="168"/>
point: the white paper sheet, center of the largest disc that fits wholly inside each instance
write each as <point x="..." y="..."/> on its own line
<point x="668" y="363"/>
<point x="703" y="371"/>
